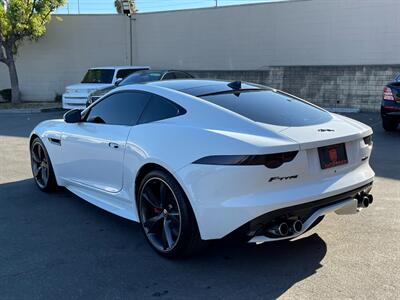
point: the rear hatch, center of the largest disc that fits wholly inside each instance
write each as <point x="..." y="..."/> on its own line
<point x="331" y="148"/>
<point x="337" y="130"/>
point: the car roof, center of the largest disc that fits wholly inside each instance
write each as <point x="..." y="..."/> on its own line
<point x="197" y="87"/>
<point x="164" y="71"/>
<point x="121" y="67"/>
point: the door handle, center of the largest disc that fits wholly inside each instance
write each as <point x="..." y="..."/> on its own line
<point x="113" y="145"/>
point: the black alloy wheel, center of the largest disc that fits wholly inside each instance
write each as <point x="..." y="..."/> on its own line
<point x="160" y="214"/>
<point x="167" y="218"/>
<point x="42" y="169"/>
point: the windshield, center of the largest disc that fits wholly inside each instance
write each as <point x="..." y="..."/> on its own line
<point x="271" y="108"/>
<point x="99" y="76"/>
<point x="140" y="77"/>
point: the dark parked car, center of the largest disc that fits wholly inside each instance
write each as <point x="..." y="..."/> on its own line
<point x="140" y="77"/>
<point x="390" y="107"/>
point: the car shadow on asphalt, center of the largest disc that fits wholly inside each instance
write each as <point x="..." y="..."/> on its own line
<point x="89" y="243"/>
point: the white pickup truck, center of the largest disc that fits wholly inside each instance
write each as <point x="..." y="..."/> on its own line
<point x="75" y="95"/>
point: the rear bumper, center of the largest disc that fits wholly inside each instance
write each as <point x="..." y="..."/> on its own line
<point x="343" y="204"/>
<point x="390" y="110"/>
<point x="224" y="198"/>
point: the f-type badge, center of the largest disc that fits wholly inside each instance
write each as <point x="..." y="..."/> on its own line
<point x="282" y="178"/>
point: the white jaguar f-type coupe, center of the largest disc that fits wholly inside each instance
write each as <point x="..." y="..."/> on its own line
<point x="195" y="160"/>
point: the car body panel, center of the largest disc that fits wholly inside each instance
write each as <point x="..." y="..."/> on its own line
<point x="223" y="197"/>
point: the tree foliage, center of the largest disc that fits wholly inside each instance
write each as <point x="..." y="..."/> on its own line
<point x="19" y="20"/>
<point x="25" y="18"/>
<point x="119" y="6"/>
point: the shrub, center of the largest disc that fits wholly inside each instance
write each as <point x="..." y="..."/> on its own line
<point x="58" y="98"/>
<point x="6" y="94"/>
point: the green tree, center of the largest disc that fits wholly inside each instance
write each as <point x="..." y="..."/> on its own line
<point x="20" y="20"/>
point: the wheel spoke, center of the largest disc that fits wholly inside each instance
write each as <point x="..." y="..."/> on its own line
<point x="40" y="154"/>
<point x="174" y="217"/>
<point x="167" y="234"/>
<point x="36" y="171"/>
<point x="45" y="175"/>
<point x="153" y="223"/>
<point x="149" y="196"/>
<point x="35" y="157"/>
<point x="163" y="195"/>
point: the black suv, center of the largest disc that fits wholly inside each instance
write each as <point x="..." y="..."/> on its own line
<point x="390" y="107"/>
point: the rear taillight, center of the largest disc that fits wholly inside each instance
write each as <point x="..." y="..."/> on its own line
<point x="271" y="161"/>
<point x="368" y="140"/>
<point x="388" y="94"/>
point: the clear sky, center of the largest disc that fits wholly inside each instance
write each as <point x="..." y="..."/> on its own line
<point x="107" y="6"/>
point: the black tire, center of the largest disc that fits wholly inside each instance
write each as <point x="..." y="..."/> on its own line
<point x="42" y="169"/>
<point x="389" y="125"/>
<point x="167" y="219"/>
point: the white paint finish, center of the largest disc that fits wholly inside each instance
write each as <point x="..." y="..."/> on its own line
<point x="317" y="32"/>
<point x="93" y="155"/>
<point x="223" y="197"/>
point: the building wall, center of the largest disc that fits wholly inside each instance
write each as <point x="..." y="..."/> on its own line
<point x="251" y="37"/>
<point x="337" y="87"/>
<point x="323" y="50"/>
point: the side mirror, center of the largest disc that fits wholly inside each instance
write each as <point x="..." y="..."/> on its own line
<point x="118" y="81"/>
<point x="73" y="116"/>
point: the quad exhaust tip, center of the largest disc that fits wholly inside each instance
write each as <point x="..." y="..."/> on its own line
<point x="297" y="226"/>
<point x="365" y="200"/>
<point x="281" y="229"/>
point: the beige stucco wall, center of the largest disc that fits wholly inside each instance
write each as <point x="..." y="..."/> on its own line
<point x="304" y="32"/>
<point x="315" y="32"/>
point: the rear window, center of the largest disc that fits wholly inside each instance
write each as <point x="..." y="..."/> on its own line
<point x="125" y="72"/>
<point x="99" y="76"/>
<point x="271" y="108"/>
<point x="140" y="77"/>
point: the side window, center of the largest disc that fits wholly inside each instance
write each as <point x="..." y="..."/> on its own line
<point x="160" y="108"/>
<point x="182" y="75"/>
<point x="168" y="76"/>
<point x="122" y="108"/>
<point x="125" y="72"/>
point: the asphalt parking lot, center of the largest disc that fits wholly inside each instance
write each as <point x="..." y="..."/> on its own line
<point x="57" y="246"/>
